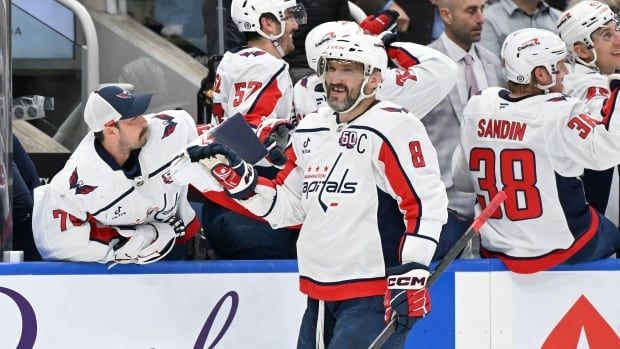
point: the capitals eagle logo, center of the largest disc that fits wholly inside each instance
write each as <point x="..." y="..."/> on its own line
<point x="78" y="185"/>
<point x="168" y="122"/>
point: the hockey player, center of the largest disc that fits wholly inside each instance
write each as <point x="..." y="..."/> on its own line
<point x="346" y="161"/>
<point x="420" y="79"/>
<point x="115" y="200"/>
<point x="533" y="142"/>
<point x="254" y="80"/>
<point x="590" y="31"/>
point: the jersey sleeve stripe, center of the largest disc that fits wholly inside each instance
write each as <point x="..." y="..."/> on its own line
<point x="609" y="107"/>
<point x="403" y="57"/>
<point x="410" y="203"/>
<point x="265" y="101"/>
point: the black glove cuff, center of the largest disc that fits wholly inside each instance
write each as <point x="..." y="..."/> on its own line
<point x="401" y="269"/>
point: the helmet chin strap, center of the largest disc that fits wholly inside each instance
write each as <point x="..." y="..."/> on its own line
<point x="547" y="87"/>
<point x="274" y="38"/>
<point x="360" y="98"/>
<point x="592" y="63"/>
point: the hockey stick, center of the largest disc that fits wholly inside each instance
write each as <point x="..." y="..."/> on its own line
<point x="447" y="259"/>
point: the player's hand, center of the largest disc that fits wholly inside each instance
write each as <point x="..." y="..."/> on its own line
<point x="406" y="296"/>
<point x="167" y="232"/>
<point x="136" y="239"/>
<point x="380" y="22"/>
<point x="275" y="135"/>
<point x="236" y="176"/>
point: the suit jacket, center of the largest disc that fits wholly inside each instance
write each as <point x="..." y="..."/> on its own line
<point x="443" y="125"/>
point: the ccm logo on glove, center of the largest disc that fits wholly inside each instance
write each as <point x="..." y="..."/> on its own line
<point x="402" y="281"/>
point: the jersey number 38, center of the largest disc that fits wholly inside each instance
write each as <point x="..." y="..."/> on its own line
<point x="517" y="168"/>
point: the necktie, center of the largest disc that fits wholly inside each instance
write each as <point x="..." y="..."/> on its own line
<point x="472" y="84"/>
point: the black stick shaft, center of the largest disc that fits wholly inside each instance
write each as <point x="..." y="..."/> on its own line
<point x="445" y="262"/>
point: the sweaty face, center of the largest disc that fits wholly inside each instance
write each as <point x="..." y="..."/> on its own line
<point x="607" y="45"/>
<point x="132" y="133"/>
<point x="343" y="80"/>
<point x="467" y="20"/>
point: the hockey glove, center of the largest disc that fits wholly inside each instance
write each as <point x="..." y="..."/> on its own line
<point x="167" y="232"/>
<point x="236" y="176"/>
<point x="406" y="295"/>
<point x="275" y="135"/>
<point x="382" y="21"/>
<point x="137" y="238"/>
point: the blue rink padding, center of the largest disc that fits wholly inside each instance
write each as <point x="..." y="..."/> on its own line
<point x="437" y="330"/>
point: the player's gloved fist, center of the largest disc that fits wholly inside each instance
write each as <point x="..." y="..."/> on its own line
<point x="380" y="22"/>
<point x="407" y="296"/>
<point x="236" y="176"/>
<point x="275" y="135"/>
<point x="136" y="239"/>
<point x="167" y="232"/>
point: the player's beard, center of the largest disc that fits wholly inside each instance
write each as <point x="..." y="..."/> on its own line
<point x="143" y="137"/>
<point x="346" y="103"/>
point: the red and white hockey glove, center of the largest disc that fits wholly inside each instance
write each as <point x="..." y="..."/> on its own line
<point x="275" y="135"/>
<point x="406" y="295"/>
<point x="380" y="22"/>
<point x="236" y="176"/>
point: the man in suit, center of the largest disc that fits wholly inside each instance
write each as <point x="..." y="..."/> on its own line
<point x="478" y="69"/>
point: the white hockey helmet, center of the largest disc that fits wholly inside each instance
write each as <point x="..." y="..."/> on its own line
<point x="366" y="49"/>
<point x="246" y="14"/>
<point x="526" y="49"/>
<point x="319" y="37"/>
<point x="579" y="22"/>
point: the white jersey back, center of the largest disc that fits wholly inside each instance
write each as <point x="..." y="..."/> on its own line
<point x="534" y="149"/>
<point x="423" y="77"/>
<point x="254" y="83"/>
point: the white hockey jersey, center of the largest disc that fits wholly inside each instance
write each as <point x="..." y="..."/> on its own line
<point x="589" y="86"/>
<point x="254" y="83"/>
<point x="602" y="187"/>
<point x="535" y="149"/>
<point x="338" y="182"/>
<point x="74" y="216"/>
<point x="423" y="77"/>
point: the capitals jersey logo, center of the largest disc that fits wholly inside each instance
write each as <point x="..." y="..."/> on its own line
<point x="321" y="182"/>
<point x="168" y="122"/>
<point x="78" y="185"/>
<point x="252" y="53"/>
